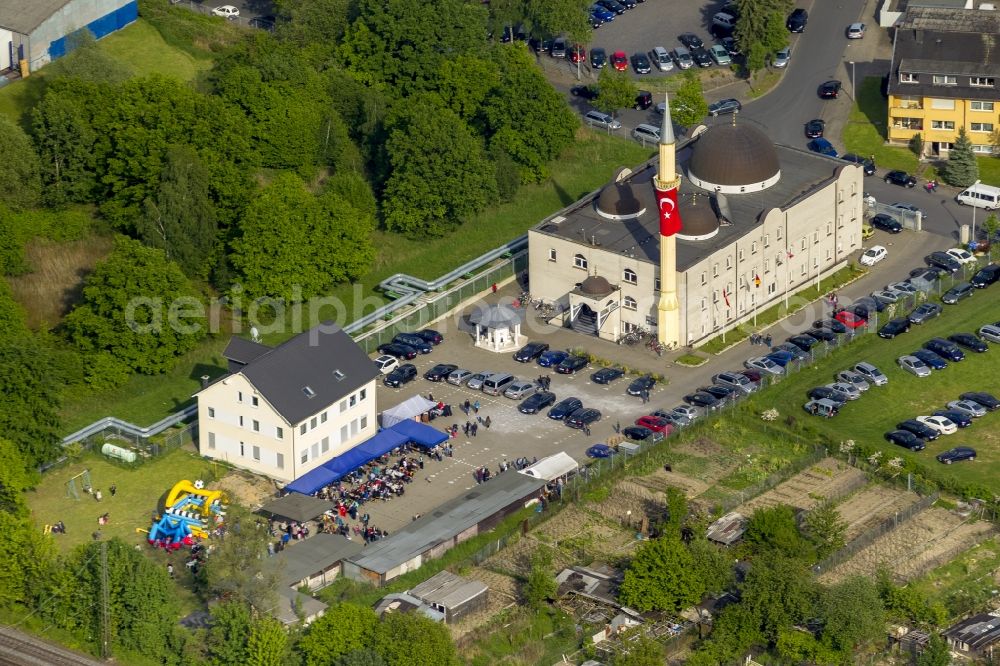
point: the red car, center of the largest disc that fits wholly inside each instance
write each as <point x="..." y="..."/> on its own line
<point x="655" y="423"/>
<point x="619" y="61"/>
<point x="849" y="319"/>
<point x="577" y="54"/>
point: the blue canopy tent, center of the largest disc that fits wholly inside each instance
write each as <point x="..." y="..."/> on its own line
<point x="337" y="468"/>
<point x="313" y="480"/>
<point x="420" y="434"/>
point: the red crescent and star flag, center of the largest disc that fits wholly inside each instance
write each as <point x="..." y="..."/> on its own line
<point x="670" y="217"/>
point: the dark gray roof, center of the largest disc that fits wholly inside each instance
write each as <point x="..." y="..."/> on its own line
<point x="296" y="507"/>
<point x="959" y="42"/>
<point x="291" y="600"/>
<point x="977" y="632"/>
<point x="496" y="315"/>
<point x="23" y="16"/>
<point x="448" y="590"/>
<point x="310" y="372"/>
<point x="801" y="173"/>
<point x="447" y="521"/>
<point x="303" y="559"/>
<point x="241" y="351"/>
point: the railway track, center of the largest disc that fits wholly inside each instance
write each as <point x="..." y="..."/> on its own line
<point x="19" y="649"/>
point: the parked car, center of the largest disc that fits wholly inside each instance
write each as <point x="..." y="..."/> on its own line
<point x="401" y="375"/>
<point x="598" y="58"/>
<point x="475" y="382"/>
<point x="894" y="327"/>
<point x="856" y="31"/>
<point x="431" y="336"/>
<point x="619" y="61"/>
<point x="924" y="312"/>
<point x="226" y="11"/>
<point x="957" y="454"/>
<point x="959" y="292"/>
<point x="987" y="400"/>
<point x="797" y="20"/>
<point x="873" y="255"/>
<point x="906" y="439"/>
<point x="867" y="166"/>
<point x="970" y="407"/>
<point x="530" y="351"/>
<point x="386" y="364"/>
<point x="901" y="178"/>
<point x="986" y="276"/>
<point x="397" y="350"/>
<point x="823" y="147"/>
<point x="944" y="261"/>
<point x="827" y="393"/>
<point x="637" y="433"/>
<point x="459" y="377"/>
<point x="440" y="371"/>
<point x="729" y="44"/>
<point x="781" y="359"/>
<point x="705" y="401"/>
<point x="914" y="366"/>
<point x="682" y="57"/>
<point x="871" y="373"/>
<point x="886" y="223"/>
<point x="832" y="324"/>
<point x="823" y="334"/>
<point x="969" y="341"/>
<point x="640" y="384"/>
<point x="735" y="380"/>
<point x="722" y="393"/>
<point x="794" y="350"/>
<point x="690" y="40"/>
<point x="582" y="417"/>
<point x="662" y="60"/>
<point x="782" y="57"/>
<point x="720" y="55"/>
<point x="414" y="341"/>
<point x="912" y="208"/>
<point x="945" y="349"/>
<point x="855" y="379"/>
<point x="701" y="57"/>
<point x="942" y="424"/>
<point x="901" y="286"/>
<point x="571" y="364"/>
<point x="552" y="357"/>
<point x="753" y="375"/>
<point x="803" y="342"/>
<point x="586" y="92"/>
<point x="850" y="319"/>
<point x="844" y="391"/>
<point x="724" y="106"/>
<point x="830" y="89"/>
<point x="922" y="431"/>
<point x="577" y="53"/>
<point x="603" y="13"/>
<point x="600" y="451"/>
<point x="655" y="423"/>
<point x="961" y="255"/>
<point x="959" y="418"/>
<point x="564" y="408"/>
<point x="641" y="64"/>
<point x="559" y="47"/>
<point x="990" y="332"/>
<point x="815" y="128"/>
<point x="822" y="407"/>
<point x="602" y="120"/>
<point x="933" y="361"/>
<point x="520" y="389"/>
<point x="607" y="375"/>
<point x="537" y="402"/>
<point x="690" y="412"/>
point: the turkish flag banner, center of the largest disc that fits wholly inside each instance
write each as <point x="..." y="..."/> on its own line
<point x="670" y="217"/>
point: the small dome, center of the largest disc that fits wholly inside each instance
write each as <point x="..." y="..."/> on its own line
<point x="617" y="201"/>
<point x="698" y="218"/>
<point x="595" y="285"/>
<point x="734" y="158"/>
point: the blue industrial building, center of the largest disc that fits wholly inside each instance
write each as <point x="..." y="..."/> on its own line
<point x="33" y="32"/>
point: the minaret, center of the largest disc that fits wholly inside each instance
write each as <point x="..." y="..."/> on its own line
<point x="666" y="183"/>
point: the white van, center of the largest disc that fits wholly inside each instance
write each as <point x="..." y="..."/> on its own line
<point x="646" y="133"/>
<point x="498" y="383"/>
<point x="980" y="196"/>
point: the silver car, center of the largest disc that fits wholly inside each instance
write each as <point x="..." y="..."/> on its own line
<point x="764" y="364"/>
<point x="872" y="374"/>
<point x="847" y="390"/>
<point x="970" y="407"/>
<point x="782" y="57"/>
<point x="689" y="412"/>
<point x="914" y="366"/>
<point x="520" y="389"/>
<point x="459" y="377"/>
<point x="854" y="379"/>
<point x="990" y="332"/>
<point x="476" y="381"/>
<point x="901" y="286"/>
<point x="735" y="380"/>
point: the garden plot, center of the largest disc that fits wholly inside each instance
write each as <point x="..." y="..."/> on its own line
<point x="827" y="478"/>
<point x="868" y="508"/>
<point x="503" y="593"/>
<point x="929" y="538"/>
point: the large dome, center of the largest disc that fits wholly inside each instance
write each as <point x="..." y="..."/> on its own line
<point x="733" y="158"/>
<point x="617" y="201"/>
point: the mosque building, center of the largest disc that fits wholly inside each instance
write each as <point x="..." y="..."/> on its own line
<point x="699" y="239"/>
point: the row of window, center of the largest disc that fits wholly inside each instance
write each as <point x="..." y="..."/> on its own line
<point x="629" y="276"/>
<point x="918" y="124"/>
<point x="949" y="80"/>
<point x="319" y="448"/>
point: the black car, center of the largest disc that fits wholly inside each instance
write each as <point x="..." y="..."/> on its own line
<point x="886" y="223"/>
<point x="582" y="417"/>
<point x="570" y="365"/>
<point x="607" y="375"/>
<point x="629" y="4"/>
<point x="932" y="360"/>
<point x="827" y="393"/>
<point x="530" y="351"/>
<point x="586" y="92"/>
<point x="797" y="20"/>
<point x="722" y="393"/>
<point x="640" y="63"/>
<point x="831" y="324"/>
<point x="440" y="372"/>
<point x="924" y="312"/>
<point x="643" y="100"/>
<point x="640" y="384"/>
<point x="986" y="276"/>
<point x="961" y="419"/>
<point x="691" y="40"/>
<point x="987" y="400"/>
<point x="830" y="90"/>
<point x="944" y="261"/>
<point x="929" y="273"/>
<point x="414" y="341"/>
<point x="598" y="58"/>
<point x="901" y="178"/>
<point x="924" y="432"/>
<point x="564" y="408"/>
<point x="803" y="342"/>
<point x="906" y="439"/>
<point x="397" y="350"/>
<point x="944" y="349"/>
<point x="866" y="164"/>
<point x="612" y="6"/>
<point x="871" y="303"/>
<point x="431" y="336"/>
<point x="957" y="454"/>
<point x="824" y="334"/>
<point x="704" y="400"/>
<point x="729" y="44"/>
<point x="724" y="106"/>
<point x="403" y="374"/>
<point x="894" y="327"/>
<point x="792" y="349"/>
<point x="637" y="433"/>
<point x="701" y="56"/>
<point x="969" y="341"/>
<point x="536" y="402"/>
<point x="814" y="128"/>
<point x="959" y="292"/>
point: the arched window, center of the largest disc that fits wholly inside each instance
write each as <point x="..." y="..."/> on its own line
<point x="629" y="303"/>
<point x="630" y="276"/>
<point x="580" y="261"/>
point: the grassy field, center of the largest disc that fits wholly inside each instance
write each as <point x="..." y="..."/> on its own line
<point x="967" y="582"/>
<point x="865" y="132"/>
<point x="906" y="396"/>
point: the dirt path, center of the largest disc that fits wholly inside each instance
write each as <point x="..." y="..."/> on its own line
<point x="827" y="478"/>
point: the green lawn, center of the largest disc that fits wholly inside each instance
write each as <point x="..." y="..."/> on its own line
<point x="906" y="396"/>
<point x="865" y="132"/>
<point x="989" y="169"/>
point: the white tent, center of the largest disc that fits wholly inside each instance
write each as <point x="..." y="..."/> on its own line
<point x="552" y="467"/>
<point x="407" y="409"/>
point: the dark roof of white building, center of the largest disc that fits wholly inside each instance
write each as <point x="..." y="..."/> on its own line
<point x="976" y="632"/>
<point x="304" y="559"/>
<point x="448" y="590"/>
<point x="23" y="16"/>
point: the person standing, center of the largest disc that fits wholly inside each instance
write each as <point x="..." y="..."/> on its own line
<point x="475" y="429"/>
<point x="97" y="495"/>
<point x="494" y="287"/>
<point x="170" y="570"/>
<point x="487" y="422"/>
<point x="113" y="489"/>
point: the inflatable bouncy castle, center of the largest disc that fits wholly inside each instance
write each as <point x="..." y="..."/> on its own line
<point x="191" y="513"/>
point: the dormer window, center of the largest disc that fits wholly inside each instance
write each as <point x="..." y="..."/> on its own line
<point x="338" y="375"/>
<point x="906" y="77"/>
<point x="982" y="81"/>
<point x="309" y="393"/>
<point x="945" y="80"/>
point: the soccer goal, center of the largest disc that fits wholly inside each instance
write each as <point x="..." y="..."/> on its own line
<point x="79" y="484"/>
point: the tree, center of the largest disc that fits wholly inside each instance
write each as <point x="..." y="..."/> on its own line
<point x="796" y="646"/>
<point x="775" y="529"/>
<point x="640" y="650"/>
<point x="540" y="587"/>
<point x="240" y="569"/>
<point x="936" y="653"/>
<point x="760" y="30"/>
<point x="825" y="529"/>
<point x="466" y="82"/>
<point x="25" y="555"/>
<point x="439" y="172"/>
<point x="555" y="17"/>
<point x="127" y="309"/>
<point x="688" y="105"/>
<point x="713" y="565"/>
<point x="365" y="657"/>
<point x="313" y="23"/>
<point x="662" y="576"/>
<point x="66" y="140"/>
<point x="20" y="170"/>
<point x="853" y="616"/>
<point x="180" y="220"/>
<point x="616" y="90"/>
<point x="267" y="644"/>
<point x="408" y="639"/>
<point x="916" y="145"/>
<point x="961" y="169"/>
<point x="31" y="379"/>
<point x="226" y="642"/>
<point x="777" y="593"/>
<point x="342" y="629"/>
<point x="677" y="511"/>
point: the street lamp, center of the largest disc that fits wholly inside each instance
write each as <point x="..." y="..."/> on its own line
<point x="854" y="91"/>
<point x="974" y="215"/>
